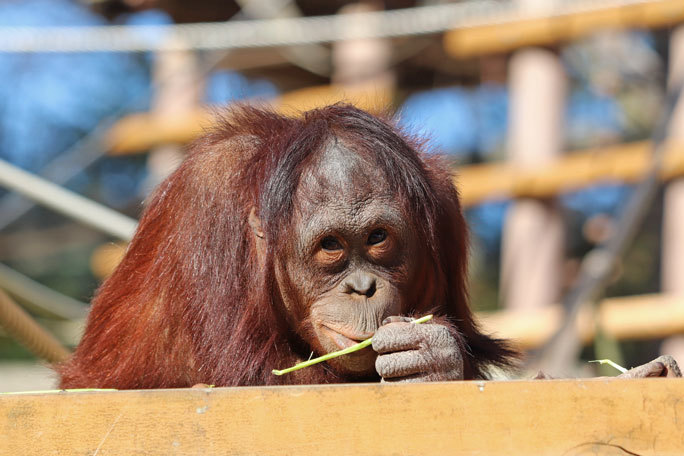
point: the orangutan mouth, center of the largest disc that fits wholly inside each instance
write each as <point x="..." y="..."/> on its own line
<point x="344" y="339"/>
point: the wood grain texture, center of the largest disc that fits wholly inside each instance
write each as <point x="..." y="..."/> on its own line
<point x="557" y="417"/>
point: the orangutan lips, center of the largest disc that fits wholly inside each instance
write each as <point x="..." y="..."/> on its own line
<point x="341" y="340"/>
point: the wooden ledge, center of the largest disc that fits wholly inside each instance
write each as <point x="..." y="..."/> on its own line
<point x="568" y="417"/>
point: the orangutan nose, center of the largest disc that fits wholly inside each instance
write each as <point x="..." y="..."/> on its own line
<point x="360" y="283"/>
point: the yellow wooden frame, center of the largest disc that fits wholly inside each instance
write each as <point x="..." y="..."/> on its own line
<point x="506" y="34"/>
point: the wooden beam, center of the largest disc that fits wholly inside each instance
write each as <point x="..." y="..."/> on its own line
<point x="142" y="131"/>
<point x="570" y="417"/>
<point x="139" y="132"/>
<point x="623" y="163"/>
<point x="626" y="318"/>
<point x="506" y="34"/>
<point x="623" y="318"/>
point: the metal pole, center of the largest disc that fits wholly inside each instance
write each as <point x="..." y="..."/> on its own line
<point x="67" y="202"/>
<point x="40" y="299"/>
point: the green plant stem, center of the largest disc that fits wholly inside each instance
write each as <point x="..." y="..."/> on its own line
<point x="610" y="363"/>
<point x="345" y="351"/>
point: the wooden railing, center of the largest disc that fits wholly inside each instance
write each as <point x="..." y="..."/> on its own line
<point x="557" y="417"/>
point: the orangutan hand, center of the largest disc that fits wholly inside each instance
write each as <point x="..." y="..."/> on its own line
<point x="664" y="366"/>
<point x="410" y="352"/>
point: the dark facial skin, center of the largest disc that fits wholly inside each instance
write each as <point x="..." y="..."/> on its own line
<point x="350" y="271"/>
<point x="350" y="262"/>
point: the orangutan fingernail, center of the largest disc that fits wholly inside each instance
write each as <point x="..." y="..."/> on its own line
<point x="392" y="319"/>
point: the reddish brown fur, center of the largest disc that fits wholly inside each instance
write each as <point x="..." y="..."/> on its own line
<point x="190" y="304"/>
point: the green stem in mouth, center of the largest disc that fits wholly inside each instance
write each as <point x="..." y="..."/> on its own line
<point x="345" y="351"/>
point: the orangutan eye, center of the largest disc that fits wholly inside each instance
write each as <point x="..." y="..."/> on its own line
<point x="377" y="236"/>
<point x="330" y="243"/>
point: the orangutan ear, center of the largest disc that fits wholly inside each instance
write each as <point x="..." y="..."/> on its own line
<point x="255" y="224"/>
<point x="259" y="238"/>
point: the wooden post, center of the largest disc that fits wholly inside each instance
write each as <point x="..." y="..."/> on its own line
<point x="362" y="65"/>
<point x="177" y="92"/>
<point x="532" y="245"/>
<point x="672" y="268"/>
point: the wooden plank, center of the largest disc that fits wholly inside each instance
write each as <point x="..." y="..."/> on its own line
<point x="569" y="417"/>
<point x="139" y="132"/>
<point x="640" y="317"/>
<point x="142" y="131"/>
<point x="622" y="163"/>
<point x="623" y="318"/>
<point x="508" y="33"/>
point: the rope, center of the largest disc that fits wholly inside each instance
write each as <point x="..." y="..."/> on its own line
<point x="284" y="31"/>
<point x="20" y="326"/>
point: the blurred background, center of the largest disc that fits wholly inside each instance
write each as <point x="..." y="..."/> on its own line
<point x="554" y="114"/>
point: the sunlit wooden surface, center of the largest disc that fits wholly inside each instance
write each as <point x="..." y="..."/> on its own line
<point x="569" y="417"/>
